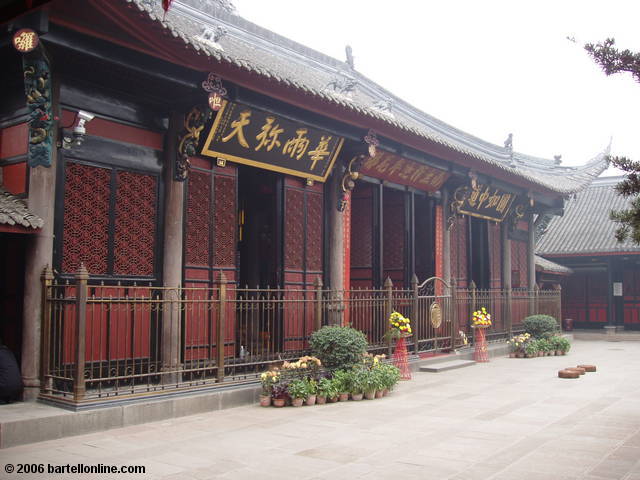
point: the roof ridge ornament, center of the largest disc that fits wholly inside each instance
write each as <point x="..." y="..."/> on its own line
<point x="557" y="159"/>
<point x="343" y="84"/>
<point x="384" y="106"/>
<point x="508" y="145"/>
<point x="349" y="51"/>
<point x="212" y="35"/>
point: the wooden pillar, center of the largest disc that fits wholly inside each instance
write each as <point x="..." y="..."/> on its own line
<point x="378" y="263"/>
<point x="531" y="261"/>
<point x="172" y="253"/>
<point x="611" y="308"/>
<point x="446" y="237"/>
<point x="39" y="254"/>
<point x="339" y="243"/>
<point x="506" y="276"/>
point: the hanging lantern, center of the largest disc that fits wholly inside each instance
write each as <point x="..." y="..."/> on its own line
<point x="213" y="85"/>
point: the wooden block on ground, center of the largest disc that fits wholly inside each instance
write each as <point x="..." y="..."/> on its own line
<point x="588" y="368"/>
<point x="566" y="373"/>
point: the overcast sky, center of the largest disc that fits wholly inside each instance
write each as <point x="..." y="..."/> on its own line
<point x="487" y="67"/>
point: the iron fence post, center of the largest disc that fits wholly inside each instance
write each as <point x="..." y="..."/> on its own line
<point x="414" y="312"/>
<point x="45" y="378"/>
<point x="473" y="305"/>
<point x="220" y="330"/>
<point x="454" y="314"/>
<point x="318" y="317"/>
<point x="79" y="386"/>
<point x="508" y="312"/>
<point x="388" y="286"/>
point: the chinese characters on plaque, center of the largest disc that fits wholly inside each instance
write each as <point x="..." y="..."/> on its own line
<point x="253" y="137"/>
<point x="25" y="40"/>
<point x="400" y="170"/>
<point x="484" y="201"/>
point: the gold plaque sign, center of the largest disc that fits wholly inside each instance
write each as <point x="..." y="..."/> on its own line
<point x="435" y="314"/>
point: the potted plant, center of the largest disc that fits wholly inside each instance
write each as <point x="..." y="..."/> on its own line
<point x="326" y="390"/>
<point x="298" y="391"/>
<point x="312" y="391"/>
<point x="531" y="349"/>
<point x="518" y="343"/>
<point x="565" y="345"/>
<point x="338" y="347"/>
<point x="279" y="395"/>
<point x="332" y="397"/>
<point x="378" y="378"/>
<point x="544" y="346"/>
<point x="357" y="384"/>
<point x="368" y="383"/>
<point x="268" y="380"/>
<point x="389" y="376"/>
<point x="342" y="380"/>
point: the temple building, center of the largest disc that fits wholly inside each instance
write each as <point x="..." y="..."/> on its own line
<point x="603" y="289"/>
<point x="191" y="193"/>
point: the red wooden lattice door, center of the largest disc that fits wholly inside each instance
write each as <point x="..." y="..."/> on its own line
<point x="110" y="226"/>
<point x="209" y="248"/>
<point x="303" y="241"/>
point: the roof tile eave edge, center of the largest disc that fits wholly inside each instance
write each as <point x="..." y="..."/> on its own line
<point x="451" y="144"/>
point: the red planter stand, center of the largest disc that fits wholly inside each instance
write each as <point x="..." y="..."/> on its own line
<point x="401" y="359"/>
<point x="481" y="353"/>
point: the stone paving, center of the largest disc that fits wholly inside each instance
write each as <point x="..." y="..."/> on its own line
<point x="508" y="419"/>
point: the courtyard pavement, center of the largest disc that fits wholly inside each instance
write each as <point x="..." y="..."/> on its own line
<point x="508" y="419"/>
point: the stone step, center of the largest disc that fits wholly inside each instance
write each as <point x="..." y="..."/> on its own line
<point x="444" y="366"/>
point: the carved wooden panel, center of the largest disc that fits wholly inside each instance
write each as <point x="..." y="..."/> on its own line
<point x="495" y="254"/>
<point x="198" y="223"/>
<point x="225" y="220"/>
<point x="86" y="218"/>
<point x="135" y="224"/>
<point x="314" y="231"/>
<point x="393" y="236"/>
<point x="294" y="229"/>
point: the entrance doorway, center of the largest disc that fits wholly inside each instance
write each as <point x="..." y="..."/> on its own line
<point x="12" y="260"/>
<point x="258" y="326"/>
<point x="258" y="228"/>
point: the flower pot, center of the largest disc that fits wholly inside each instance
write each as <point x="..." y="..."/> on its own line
<point x="343" y="397"/>
<point x="385" y="392"/>
<point x="321" y="400"/>
<point x="265" y="400"/>
<point x="512" y="355"/>
<point x="279" y="402"/>
<point x="370" y="395"/>
<point x="357" y="396"/>
<point x="297" y="402"/>
<point x="311" y="400"/>
<point x="334" y="399"/>
<point x="379" y="393"/>
<point x="520" y="355"/>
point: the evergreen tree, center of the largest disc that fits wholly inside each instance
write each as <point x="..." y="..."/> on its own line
<point x="613" y="61"/>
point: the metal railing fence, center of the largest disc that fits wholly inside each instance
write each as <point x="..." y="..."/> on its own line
<point x="103" y="342"/>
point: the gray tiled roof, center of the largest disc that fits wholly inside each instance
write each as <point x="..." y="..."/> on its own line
<point x="585" y="227"/>
<point x="211" y="29"/>
<point x="13" y="211"/>
<point x="547" y="266"/>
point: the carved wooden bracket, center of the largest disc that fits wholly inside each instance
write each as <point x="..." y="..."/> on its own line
<point x="189" y="139"/>
<point x="348" y="181"/>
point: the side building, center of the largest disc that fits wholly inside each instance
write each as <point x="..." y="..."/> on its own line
<point x="208" y="193"/>
<point x="604" y="288"/>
